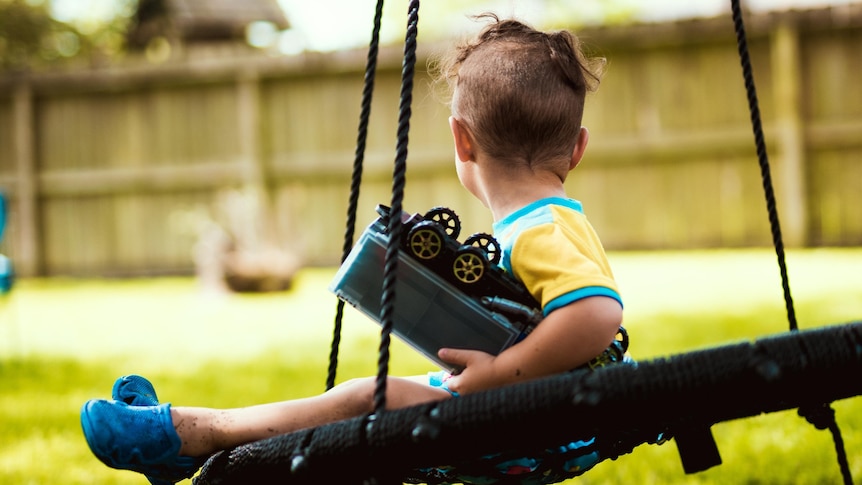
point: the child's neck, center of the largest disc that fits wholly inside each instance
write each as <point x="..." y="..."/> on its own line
<point x="504" y="196"/>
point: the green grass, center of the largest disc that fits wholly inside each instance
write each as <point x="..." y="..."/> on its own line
<point x="65" y="341"/>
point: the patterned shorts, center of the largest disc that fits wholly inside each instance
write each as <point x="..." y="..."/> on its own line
<point x="551" y="465"/>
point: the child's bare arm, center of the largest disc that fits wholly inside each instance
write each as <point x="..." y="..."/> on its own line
<point x="568" y="337"/>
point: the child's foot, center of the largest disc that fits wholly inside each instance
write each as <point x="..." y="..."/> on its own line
<point x="141" y="438"/>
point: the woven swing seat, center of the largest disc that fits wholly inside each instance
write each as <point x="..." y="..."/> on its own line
<point x="622" y="406"/>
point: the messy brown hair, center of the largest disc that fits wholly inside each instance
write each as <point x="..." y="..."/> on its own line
<point x="519" y="90"/>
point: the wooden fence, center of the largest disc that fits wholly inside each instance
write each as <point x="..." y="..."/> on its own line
<point x="119" y="170"/>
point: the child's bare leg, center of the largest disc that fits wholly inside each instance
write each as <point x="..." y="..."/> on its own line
<point x="204" y="430"/>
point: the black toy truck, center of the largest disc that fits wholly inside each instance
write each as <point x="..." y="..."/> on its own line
<point x="447" y="293"/>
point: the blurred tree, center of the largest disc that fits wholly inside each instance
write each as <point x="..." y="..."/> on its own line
<point x="30" y="37"/>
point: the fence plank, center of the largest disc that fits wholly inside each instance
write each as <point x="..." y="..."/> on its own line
<point x="792" y="194"/>
<point x="28" y="244"/>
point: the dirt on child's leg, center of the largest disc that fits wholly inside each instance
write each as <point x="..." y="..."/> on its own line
<point x="204" y="431"/>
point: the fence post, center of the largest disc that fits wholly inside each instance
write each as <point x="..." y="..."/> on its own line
<point x="27" y="245"/>
<point x="789" y="133"/>
<point x="249" y="126"/>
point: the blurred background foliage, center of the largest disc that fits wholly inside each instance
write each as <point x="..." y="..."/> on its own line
<point x="34" y="35"/>
<point x="31" y="37"/>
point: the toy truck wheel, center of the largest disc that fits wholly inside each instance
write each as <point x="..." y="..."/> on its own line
<point x="487" y="244"/>
<point x="425" y="240"/>
<point x="469" y="265"/>
<point x="447" y="219"/>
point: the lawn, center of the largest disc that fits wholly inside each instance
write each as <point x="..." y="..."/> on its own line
<point x="64" y="341"/>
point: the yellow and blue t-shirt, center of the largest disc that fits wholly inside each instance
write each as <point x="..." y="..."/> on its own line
<point x="550" y="247"/>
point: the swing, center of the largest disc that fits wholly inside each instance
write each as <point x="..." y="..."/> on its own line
<point x="621" y="406"/>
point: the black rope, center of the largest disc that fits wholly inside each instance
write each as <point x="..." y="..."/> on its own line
<point x="390" y="264"/>
<point x="822" y="416"/>
<point x="763" y="158"/>
<point x="356" y="181"/>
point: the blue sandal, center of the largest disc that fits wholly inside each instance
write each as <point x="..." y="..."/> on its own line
<point x="135" y="390"/>
<point x="135" y="433"/>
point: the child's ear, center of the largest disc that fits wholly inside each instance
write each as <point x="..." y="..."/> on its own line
<point x="463" y="140"/>
<point x="580" y="148"/>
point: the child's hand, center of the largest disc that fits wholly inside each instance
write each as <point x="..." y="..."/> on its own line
<point x="478" y="374"/>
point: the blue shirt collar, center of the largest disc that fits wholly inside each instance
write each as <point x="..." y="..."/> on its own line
<point x="562" y="201"/>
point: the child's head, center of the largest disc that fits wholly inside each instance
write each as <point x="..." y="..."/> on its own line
<point x="520" y="91"/>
